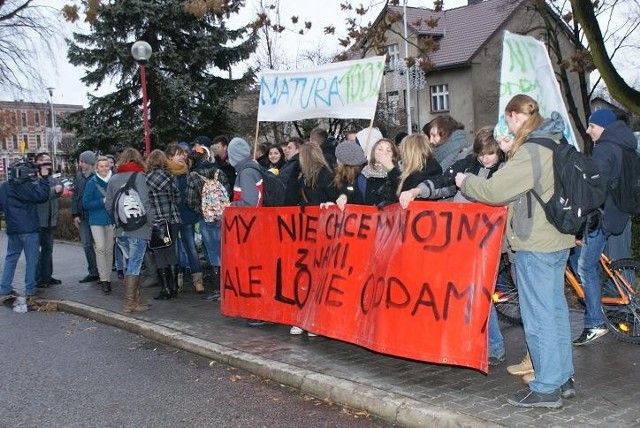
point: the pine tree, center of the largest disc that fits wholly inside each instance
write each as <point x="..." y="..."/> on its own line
<point x="187" y="96"/>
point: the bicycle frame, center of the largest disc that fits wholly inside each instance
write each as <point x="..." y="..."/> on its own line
<point x="622" y="285"/>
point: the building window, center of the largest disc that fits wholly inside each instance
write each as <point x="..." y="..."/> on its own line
<point x="393" y="55"/>
<point x="37" y="118"/>
<point x="439" y="98"/>
<point x="24" y="119"/>
<point x="25" y="138"/>
<point x="15" y="142"/>
<point x="393" y="99"/>
<point x="38" y="142"/>
<point x="5" y="143"/>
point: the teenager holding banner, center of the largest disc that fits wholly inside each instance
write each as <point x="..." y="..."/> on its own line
<point x="418" y="162"/>
<point x="541" y="251"/>
<point x="380" y="177"/>
<point x="449" y="140"/>
<point x="315" y="182"/>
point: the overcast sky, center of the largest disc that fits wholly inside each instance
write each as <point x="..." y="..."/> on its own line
<point x="70" y="90"/>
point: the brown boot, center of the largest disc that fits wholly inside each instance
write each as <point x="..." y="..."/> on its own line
<point x="131" y="294"/>
<point x="196" y="278"/>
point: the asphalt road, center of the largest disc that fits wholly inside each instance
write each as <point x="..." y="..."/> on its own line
<point x="60" y="370"/>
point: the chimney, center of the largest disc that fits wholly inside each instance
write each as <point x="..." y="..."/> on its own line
<point x="473" y="2"/>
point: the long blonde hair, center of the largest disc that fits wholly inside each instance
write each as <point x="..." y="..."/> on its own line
<point x="415" y="152"/>
<point x="312" y="161"/>
<point x="528" y="106"/>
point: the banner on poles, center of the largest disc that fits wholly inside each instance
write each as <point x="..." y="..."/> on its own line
<point x="415" y="283"/>
<point x="526" y="69"/>
<point x="341" y="90"/>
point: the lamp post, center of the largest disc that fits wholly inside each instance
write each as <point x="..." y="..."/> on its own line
<point x="53" y="129"/>
<point x="141" y="52"/>
<point x="407" y="96"/>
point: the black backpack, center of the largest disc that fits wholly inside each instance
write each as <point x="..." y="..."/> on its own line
<point x="626" y="194"/>
<point x="273" y="188"/>
<point x="578" y="187"/>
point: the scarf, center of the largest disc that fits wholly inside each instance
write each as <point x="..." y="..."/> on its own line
<point x="130" y="167"/>
<point x="377" y="171"/>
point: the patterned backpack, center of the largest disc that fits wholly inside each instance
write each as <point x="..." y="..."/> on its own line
<point x="214" y="198"/>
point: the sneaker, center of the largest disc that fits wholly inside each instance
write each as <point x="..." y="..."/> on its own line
<point x="528" y="398"/>
<point x="54" y="281"/>
<point x="522" y="368"/>
<point x="255" y="323"/>
<point x="496" y="361"/>
<point x="212" y="297"/>
<point x="568" y="389"/>
<point x="591" y="334"/>
<point x="296" y="330"/>
<point x="311" y="334"/>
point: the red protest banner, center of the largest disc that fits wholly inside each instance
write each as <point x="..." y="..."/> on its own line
<point x="414" y="283"/>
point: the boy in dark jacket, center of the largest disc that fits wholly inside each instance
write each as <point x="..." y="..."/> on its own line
<point x="19" y="199"/>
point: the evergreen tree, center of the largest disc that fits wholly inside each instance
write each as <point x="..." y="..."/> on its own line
<point x="185" y="97"/>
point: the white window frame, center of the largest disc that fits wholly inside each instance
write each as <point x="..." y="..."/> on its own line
<point x="439" y="98"/>
<point x="393" y="55"/>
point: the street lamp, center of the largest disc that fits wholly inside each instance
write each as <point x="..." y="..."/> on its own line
<point x="53" y="129"/>
<point x="141" y="52"/>
<point x="407" y="96"/>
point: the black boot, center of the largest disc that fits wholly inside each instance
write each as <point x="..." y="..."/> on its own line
<point x="106" y="287"/>
<point x="172" y="272"/>
<point x="165" y="293"/>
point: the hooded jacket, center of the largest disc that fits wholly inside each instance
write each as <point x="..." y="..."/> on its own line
<point x="19" y="204"/>
<point x="607" y="154"/>
<point x="531" y="167"/>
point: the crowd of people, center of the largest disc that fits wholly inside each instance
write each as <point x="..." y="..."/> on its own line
<point x="497" y="168"/>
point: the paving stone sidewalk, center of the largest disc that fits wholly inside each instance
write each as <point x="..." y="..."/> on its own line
<point x="403" y="391"/>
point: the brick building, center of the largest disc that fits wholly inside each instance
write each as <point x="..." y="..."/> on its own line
<point x="33" y="127"/>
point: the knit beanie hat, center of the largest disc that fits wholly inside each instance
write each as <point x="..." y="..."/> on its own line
<point x="88" y="157"/>
<point x="602" y="117"/>
<point x="238" y="150"/>
<point x="350" y="153"/>
<point x="502" y="129"/>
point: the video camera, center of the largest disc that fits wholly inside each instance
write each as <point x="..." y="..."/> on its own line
<point x="21" y="172"/>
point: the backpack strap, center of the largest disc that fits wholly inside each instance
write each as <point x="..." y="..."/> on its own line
<point x="537" y="169"/>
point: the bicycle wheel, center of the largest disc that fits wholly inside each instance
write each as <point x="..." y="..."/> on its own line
<point x="505" y="297"/>
<point x="623" y="319"/>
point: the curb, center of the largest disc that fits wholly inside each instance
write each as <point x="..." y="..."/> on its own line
<point x="392" y="407"/>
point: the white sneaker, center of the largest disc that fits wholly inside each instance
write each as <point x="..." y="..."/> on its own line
<point x="296" y="330"/>
<point x="311" y="334"/>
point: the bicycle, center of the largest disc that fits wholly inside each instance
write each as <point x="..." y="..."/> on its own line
<point x="620" y="296"/>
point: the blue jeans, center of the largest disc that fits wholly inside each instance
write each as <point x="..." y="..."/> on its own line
<point x="133" y="250"/>
<point x="118" y="257"/>
<point x="619" y="246"/>
<point x="211" y="236"/>
<point x="187" y="251"/>
<point x="496" y="342"/>
<point x="545" y="316"/>
<point x="87" y="244"/>
<point x="16" y="243"/>
<point x="45" y="260"/>
<point x="589" y="270"/>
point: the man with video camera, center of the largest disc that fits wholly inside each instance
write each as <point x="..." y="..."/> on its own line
<point x="27" y="187"/>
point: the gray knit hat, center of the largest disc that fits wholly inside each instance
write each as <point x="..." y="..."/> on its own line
<point x="238" y="150"/>
<point x="88" y="157"/>
<point x="350" y="153"/>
